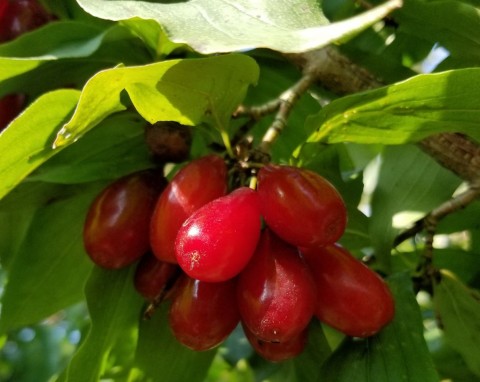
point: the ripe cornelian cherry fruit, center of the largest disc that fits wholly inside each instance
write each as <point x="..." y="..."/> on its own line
<point x="277" y="351"/>
<point x="20" y="16"/>
<point x="203" y="314"/>
<point x="216" y="242"/>
<point x="153" y="278"/>
<point x="10" y="106"/>
<point x="351" y="297"/>
<point x="301" y="206"/>
<point x="116" y="227"/>
<point x="199" y="182"/>
<point x="276" y="292"/>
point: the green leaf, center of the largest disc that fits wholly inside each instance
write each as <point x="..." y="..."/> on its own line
<point x="114" y="148"/>
<point x="458" y="308"/>
<point x="49" y="271"/>
<point x="114" y="308"/>
<point x="208" y="27"/>
<point x="404" y="112"/>
<point x="397" y="353"/>
<point x="27" y="142"/>
<point x="409" y="180"/>
<point x="163" y="358"/>
<point x="61" y="39"/>
<point x="189" y="91"/>
<point x="452" y="24"/>
<point x="314" y="354"/>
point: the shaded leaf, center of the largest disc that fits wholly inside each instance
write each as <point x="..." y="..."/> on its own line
<point x="27" y="142"/>
<point x="458" y="308"/>
<point x="404" y="112"/>
<point x="114" y="148"/>
<point x="50" y="269"/>
<point x="455" y="25"/>
<point x="397" y="353"/>
<point x="285" y="26"/>
<point x="409" y="180"/>
<point x="114" y="308"/>
<point x="163" y="358"/>
<point x="187" y="91"/>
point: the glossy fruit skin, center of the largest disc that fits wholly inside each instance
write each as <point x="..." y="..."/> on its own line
<point x="116" y="227"/>
<point x="154" y="278"/>
<point x="203" y="314"/>
<point x="217" y="241"/>
<point x="199" y="182"/>
<point x="10" y="106"/>
<point x="277" y="351"/>
<point x="20" y="16"/>
<point x="350" y="296"/>
<point x="276" y="291"/>
<point x="300" y="206"/>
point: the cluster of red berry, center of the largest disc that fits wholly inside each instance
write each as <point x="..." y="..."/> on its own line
<point x="16" y="18"/>
<point x="220" y="267"/>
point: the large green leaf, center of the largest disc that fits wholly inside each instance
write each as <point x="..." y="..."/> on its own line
<point x="189" y="91"/>
<point x="114" y="148"/>
<point x="451" y="23"/>
<point x="397" y="353"/>
<point x="114" y="308"/>
<point x="162" y="358"/>
<point x="404" y="112"/>
<point x="27" y="142"/>
<point x="458" y="308"/>
<point x="408" y="180"/>
<point x="49" y="271"/>
<point x="210" y="27"/>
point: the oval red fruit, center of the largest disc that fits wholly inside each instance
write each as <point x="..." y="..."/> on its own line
<point x="276" y="292"/>
<point x="199" y="182"/>
<point x="277" y="351"/>
<point x="301" y="206"/>
<point x="351" y="297"/>
<point x="218" y="240"/>
<point x="203" y="314"/>
<point x="116" y="227"/>
<point x="154" y="277"/>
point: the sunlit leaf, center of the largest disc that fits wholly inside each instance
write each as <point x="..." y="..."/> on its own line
<point x="27" y="142"/>
<point x="458" y="308"/>
<point x="210" y="27"/>
<point x="188" y="91"/>
<point x="397" y="353"/>
<point x="404" y="112"/>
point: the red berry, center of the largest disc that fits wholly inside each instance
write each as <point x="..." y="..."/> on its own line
<point x="276" y="291"/>
<point x="196" y="184"/>
<point x="203" y="314"/>
<point x="10" y="106"/>
<point x="20" y="16"/>
<point x="300" y="206"/>
<point x="351" y="297"/>
<point x="116" y="228"/>
<point x="277" y="351"/>
<point x="154" y="277"/>
<point x="218" y="240"/>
